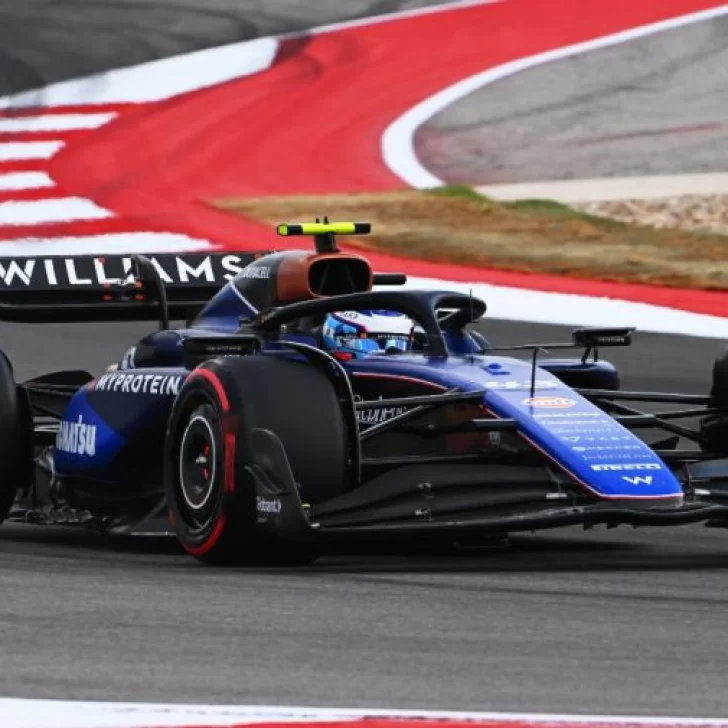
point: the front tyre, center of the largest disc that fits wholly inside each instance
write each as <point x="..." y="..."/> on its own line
<point x="211" y="493"/>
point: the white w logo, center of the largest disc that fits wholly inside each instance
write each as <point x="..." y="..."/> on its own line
<point x="637" y="479"/>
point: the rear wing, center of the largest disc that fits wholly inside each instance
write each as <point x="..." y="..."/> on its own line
<point x="85" y="288"/>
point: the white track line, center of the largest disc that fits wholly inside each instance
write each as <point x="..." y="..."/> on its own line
<point x="612" y="188"/>
<point x="37" y="212"/>
<point x="103" y="244"/>
<point x="24" y="181"/>
<point x="11" y="151"/>
<point x="398" y="139"/>
<point x="54" y="122"/>
<point x="519" y="304"/>
<point x="68" y="714"/>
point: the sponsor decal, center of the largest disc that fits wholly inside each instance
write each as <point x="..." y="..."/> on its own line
<point x="610" y="457"/>
<point x="78" y="438"/>
<point x="376" y="415"/>
<point x="127" y="361"/>
<point x="159" y="384"/>
<point x="549" y="402"/>
<point x="55" y="272"/>
<point x="637" y="479"/>
<point x="255" y="271"/>
<point x="268" y="506"/>
<point x="600" y="448"/>
<point x="561" y="415"/>
<point x="577" y="425"/>
<point x="599" y="438"/>
<point x="628" y="466"/>
<point x="513" y="385"/>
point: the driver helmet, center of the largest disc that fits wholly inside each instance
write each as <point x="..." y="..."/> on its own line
<point x="368" y="332"/>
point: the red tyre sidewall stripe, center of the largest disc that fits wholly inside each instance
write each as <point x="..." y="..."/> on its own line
<point x="227" y="425"/>
<point x="216" y="384"/>
<point x="211" y="540"/>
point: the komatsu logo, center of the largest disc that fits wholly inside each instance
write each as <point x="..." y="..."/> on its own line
<point x="77" y="437"/>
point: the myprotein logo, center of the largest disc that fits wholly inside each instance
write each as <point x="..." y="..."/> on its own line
<point x="627" y="466"/>
<point x="549" y="402"/>
<point x="91" y="272"/>
<point x="158" y="384"/>
<point x="77" y="438"/>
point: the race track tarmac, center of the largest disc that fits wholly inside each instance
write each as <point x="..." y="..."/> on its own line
<point x="646" y="107"/>
<point x="42" y="41"/>
<point x="620" y="621"/>
<point x="610" y="622"/>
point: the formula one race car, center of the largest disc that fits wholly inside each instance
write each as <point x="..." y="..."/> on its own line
<point x="299" y="404"/>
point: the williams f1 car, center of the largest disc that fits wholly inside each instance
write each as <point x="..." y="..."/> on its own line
<point x="308" y="399"/>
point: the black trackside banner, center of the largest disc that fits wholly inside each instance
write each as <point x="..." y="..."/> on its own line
<point x="177" y="270"/>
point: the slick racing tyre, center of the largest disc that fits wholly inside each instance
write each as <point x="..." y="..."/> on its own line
<point x="16" y="439"/>
<point x="211" y="494"/>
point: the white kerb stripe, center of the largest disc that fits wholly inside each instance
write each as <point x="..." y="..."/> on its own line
<point x="23" y="713"/>
<point x="398" y="139"/>
<point x="10" y="151"/>
<point x="103" y="244"/>
<point x="24" y="181"/>
<point x="155" y="80"/>
<point x="36" y="212"/>
<point x="54" y="122"/>
<point x="570" y="309"/>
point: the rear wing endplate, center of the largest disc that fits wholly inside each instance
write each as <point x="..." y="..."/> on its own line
<point x="86" y="288"/>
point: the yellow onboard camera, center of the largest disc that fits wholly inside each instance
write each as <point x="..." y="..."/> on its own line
<point x="325" y="228"/>
<point x="323" y="232"/>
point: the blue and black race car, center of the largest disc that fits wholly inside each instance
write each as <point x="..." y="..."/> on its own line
<point x="308" y="399"/>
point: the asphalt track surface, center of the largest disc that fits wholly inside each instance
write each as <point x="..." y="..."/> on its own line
<point x="615" y="622"/>
<point x="42" y="41"/>
<point x="621" y="621"/>
<point x="645" y="107"/>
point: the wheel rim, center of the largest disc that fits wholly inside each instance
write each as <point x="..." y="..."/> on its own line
<point x="197" y="469"/>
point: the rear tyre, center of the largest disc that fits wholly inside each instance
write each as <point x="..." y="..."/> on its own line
<point x="714" y="428"/>
<point x="211" y="496"/>
<point x="16" y="439"/>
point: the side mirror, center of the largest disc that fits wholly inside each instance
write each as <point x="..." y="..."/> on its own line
<point x="593" y="338"/>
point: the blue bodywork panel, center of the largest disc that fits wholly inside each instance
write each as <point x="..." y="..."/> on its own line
<point x="597" y="451"/>
<point x="123" y="414"/>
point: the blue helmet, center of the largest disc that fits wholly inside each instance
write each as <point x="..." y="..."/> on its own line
<point x="365" y="332"/>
